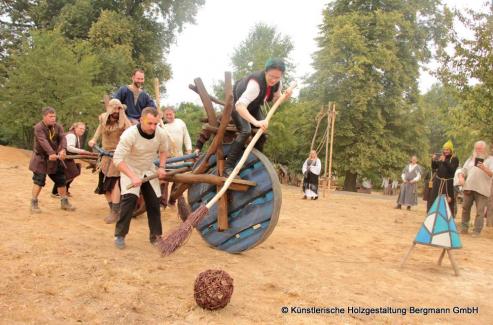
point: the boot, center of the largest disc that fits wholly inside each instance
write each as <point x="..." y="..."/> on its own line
<point x="65" y="205"/>
<point x="114" y="215"/>
<point x="235" y="153"/>
<point x="34" y="206"/>
<point x="110" y="205"/>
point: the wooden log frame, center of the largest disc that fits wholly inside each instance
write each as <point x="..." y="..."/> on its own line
<point x="222" y="216"/>
<point x="190" y="178"/>
<point x="212" y="98"/>
<point x="202" y="166"/>
<point x="440" y="259"/>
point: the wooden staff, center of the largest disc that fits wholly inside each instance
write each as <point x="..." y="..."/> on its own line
<point x="157" y="94"/>
<point x="82" y="156"/>
<point x="333" y="120"/>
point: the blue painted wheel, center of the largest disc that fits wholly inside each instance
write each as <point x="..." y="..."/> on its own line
<point x="252" y="214"/>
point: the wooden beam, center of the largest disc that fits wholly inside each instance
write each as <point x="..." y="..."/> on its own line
<point x="332" y="130"/>
<point x="222" y="213"/>
<point x="206" y="101"/>
<point x="452" y="261"/>
<point x="408" y="254"/>
<point x="218" y="139"/>
<point x="442" y="254"/>
<point x="213" y="99"/>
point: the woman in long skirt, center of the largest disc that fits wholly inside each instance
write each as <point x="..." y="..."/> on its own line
<point x="410" y="177"/>
<point x="311" y="171"/>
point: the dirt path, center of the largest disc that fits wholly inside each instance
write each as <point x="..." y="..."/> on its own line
<point x="342" y="250"/>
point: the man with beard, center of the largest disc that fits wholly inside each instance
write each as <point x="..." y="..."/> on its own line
<point x="49" y="151"/>
<point x="111" y="126"/>
<point x="134" y="97"/>
<point x="134" y="156"/>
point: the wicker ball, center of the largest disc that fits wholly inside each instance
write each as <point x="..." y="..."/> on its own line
<point x="213" y="289"/>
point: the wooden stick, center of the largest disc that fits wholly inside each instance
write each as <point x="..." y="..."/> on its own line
<point x="222" y="211"/>
<point x="212" y="98"/>
<point x="238" y="184"/>
<point x="247" y="151"/>
<point x="320" y="116"/>
<point x="327" y="149"/>
<point x="203" y="165"/>
<point x="96" y="156"/>
<point x="157" y="94"/>
<point x="206" y="100"/>
<point x="442" y="254"/>
<point x="407" y="255"/>
<point x="452" y="261"/>
<point x="332" y="129"/>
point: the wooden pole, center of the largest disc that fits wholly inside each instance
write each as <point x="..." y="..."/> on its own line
<point x="326" y="149"/>
<point x="408" y="254"/>
<point x="320" y="116"/>
<point x="442" y="254"/>
<point x="327" y="144"/>
<point x="157" y="94"/>
<point x="333" y="120"/>
<point x="452" y="261"/>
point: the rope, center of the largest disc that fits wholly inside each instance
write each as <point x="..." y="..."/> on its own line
<point x="443" y="183"/>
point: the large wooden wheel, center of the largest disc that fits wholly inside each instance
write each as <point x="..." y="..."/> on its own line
<point x="252" y="215"/>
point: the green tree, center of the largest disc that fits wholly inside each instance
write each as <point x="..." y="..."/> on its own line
<point x="154" y="24"/>
<point x="472" y="61"/>
<point x="261" y="43"/>
<point x="368" y="63"/>
<point x="48" y="72"/>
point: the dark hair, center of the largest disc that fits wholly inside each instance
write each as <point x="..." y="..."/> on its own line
<point x="149" y="110"/>
<point x="274" y="63"/>
<point x="137" y="70"/>
<point x="48" y="110"/>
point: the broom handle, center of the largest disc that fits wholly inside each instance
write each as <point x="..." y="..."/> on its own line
<point x="247" y="151"/>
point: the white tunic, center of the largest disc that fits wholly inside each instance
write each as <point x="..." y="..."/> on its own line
<point x="178" y="132"/>
<point x="139" y="154"/>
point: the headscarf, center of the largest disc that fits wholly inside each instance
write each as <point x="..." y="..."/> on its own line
<point x="449" y="145"/>
<point x="112" y="107"/>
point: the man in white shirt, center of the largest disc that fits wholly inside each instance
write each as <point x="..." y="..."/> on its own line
<point x="475" y="177"/>
<point x="177" y="130"/>
<point x="179" y="136"/>
<point x="134" y="157"/>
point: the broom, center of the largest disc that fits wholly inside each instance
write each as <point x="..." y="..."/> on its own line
<point x="176" y="238"/>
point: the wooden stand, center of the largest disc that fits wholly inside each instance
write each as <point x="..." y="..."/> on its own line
<point x="440" y="259"/>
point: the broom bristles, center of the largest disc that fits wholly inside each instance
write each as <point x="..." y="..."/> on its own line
<point x="179" y="236"/>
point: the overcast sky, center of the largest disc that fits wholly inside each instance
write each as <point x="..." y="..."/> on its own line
<point x="204" y="49"/>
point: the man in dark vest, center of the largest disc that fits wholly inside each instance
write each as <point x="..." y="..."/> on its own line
<point x="249" y="94"/>
<point x="134" y="97"/>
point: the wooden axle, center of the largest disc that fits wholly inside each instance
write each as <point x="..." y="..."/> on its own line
<point x="237" y="184"/>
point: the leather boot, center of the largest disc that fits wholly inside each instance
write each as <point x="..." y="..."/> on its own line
<point x="65" y="205"/>
<point x="34" y="206"/>
<point x="114" y="215"/>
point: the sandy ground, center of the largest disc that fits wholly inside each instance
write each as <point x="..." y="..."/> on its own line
<point x="340" y="251"/>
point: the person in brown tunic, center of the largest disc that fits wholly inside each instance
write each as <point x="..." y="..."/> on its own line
<point x="48" y="158"/>
<point x="111" y="126"/>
